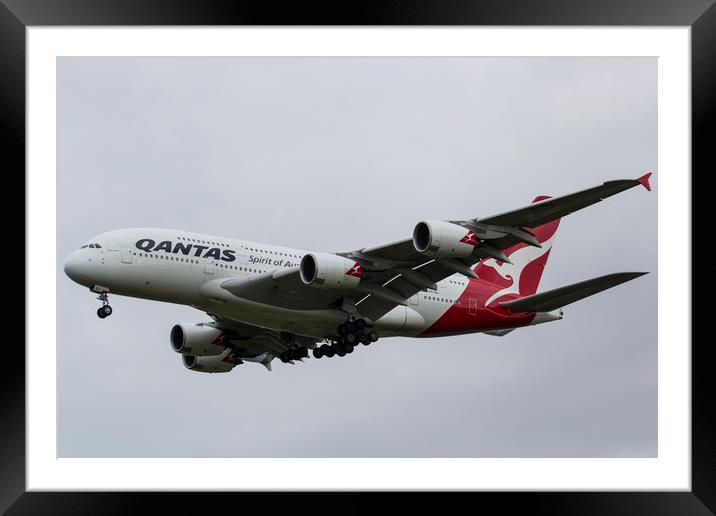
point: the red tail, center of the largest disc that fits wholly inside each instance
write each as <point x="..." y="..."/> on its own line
<point x="528" y="262"/>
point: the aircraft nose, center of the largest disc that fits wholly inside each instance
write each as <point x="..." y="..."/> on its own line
<point x="73" y="268"/>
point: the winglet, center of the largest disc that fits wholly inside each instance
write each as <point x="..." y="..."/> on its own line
<point x="644" y="181"/>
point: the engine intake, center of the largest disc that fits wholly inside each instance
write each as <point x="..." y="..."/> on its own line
<point x="217" y="364"/>
<point x="322" y="270"/>
<point x="197" y="339"/>
<point x="438" y="239"/>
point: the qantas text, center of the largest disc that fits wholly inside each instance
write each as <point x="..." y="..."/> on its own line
<point x="226" y="255"/>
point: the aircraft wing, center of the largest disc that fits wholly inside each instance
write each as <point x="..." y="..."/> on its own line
<point x="250" y="340"/>
<point x="399" y="260"/>
<point x="550" y="209"/>
<point x="393" y="273"/>
<point x="282" y="288"/>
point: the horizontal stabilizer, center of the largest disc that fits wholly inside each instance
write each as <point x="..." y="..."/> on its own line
<point x="559" y="297"/>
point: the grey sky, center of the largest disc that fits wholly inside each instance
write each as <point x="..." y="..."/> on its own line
<point x="335" y="154"/>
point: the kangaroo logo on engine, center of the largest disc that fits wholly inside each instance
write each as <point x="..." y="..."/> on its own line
<point x="147" y="244"/>
<point x="356" y="271"/>
<point x="470" y="238"/>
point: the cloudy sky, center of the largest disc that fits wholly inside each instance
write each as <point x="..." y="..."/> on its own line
<point x="334" y="154"/>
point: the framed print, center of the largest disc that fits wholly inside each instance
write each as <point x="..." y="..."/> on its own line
<point x="236" y="121"/>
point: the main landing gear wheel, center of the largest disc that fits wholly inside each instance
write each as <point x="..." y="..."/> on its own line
<point x="351" y="327"/>
<point x="294" y="354"/>
<point x="105" y="310"/>
<point x="318" y="352"/>
<point x="351" y="333"/>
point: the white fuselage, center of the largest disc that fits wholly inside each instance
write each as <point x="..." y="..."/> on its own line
<point x="187" y="268"/>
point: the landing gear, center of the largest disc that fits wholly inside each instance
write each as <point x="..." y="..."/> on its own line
<point x="105" y="310"/>
<point x="354" y="332"/>
<point x="350" y="334"/>
<point x="295" y="354"/>
<point x="324" y="350"/>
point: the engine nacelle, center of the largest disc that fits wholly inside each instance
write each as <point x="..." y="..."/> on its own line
<point x="197" y="339"/>
<point x="322" y="270"/>
<point x="217" y="364"/>
<point x="438" y="239"/>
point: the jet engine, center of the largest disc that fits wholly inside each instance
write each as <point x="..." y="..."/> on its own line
<point x="322" y="270"/>
<point x="197" y="339"/>
<point x="438" y="239"/>
<point x="215" y="364"/>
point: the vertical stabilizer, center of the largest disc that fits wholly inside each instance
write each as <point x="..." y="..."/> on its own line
<point x="523" y="275"/>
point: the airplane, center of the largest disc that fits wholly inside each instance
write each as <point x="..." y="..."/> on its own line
<point x="267" y="301"/>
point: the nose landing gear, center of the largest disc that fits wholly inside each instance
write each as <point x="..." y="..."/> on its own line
<point x="105" y="310"/>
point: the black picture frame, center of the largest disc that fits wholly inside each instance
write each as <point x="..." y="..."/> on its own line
<point x="17" y="15"/>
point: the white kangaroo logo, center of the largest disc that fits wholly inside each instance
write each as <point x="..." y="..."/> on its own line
<point x="513" y="271"/>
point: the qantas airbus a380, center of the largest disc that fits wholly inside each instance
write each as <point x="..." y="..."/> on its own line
<point x="267" y="301"/>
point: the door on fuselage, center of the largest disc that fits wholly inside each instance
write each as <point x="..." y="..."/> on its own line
<point x="473" y="306"/>
<point x="126" y="255"/>
<point x="209" y="265"/>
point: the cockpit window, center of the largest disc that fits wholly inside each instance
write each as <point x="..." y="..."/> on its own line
<point x="92" y="246"/>
<point x="83" y="246"/>
<point x="97" y="246"/>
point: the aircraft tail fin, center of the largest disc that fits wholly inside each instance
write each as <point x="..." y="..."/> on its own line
<point x="523" y="275"/>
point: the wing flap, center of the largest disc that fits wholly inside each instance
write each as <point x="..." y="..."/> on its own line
<point x="559" y="297"/>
